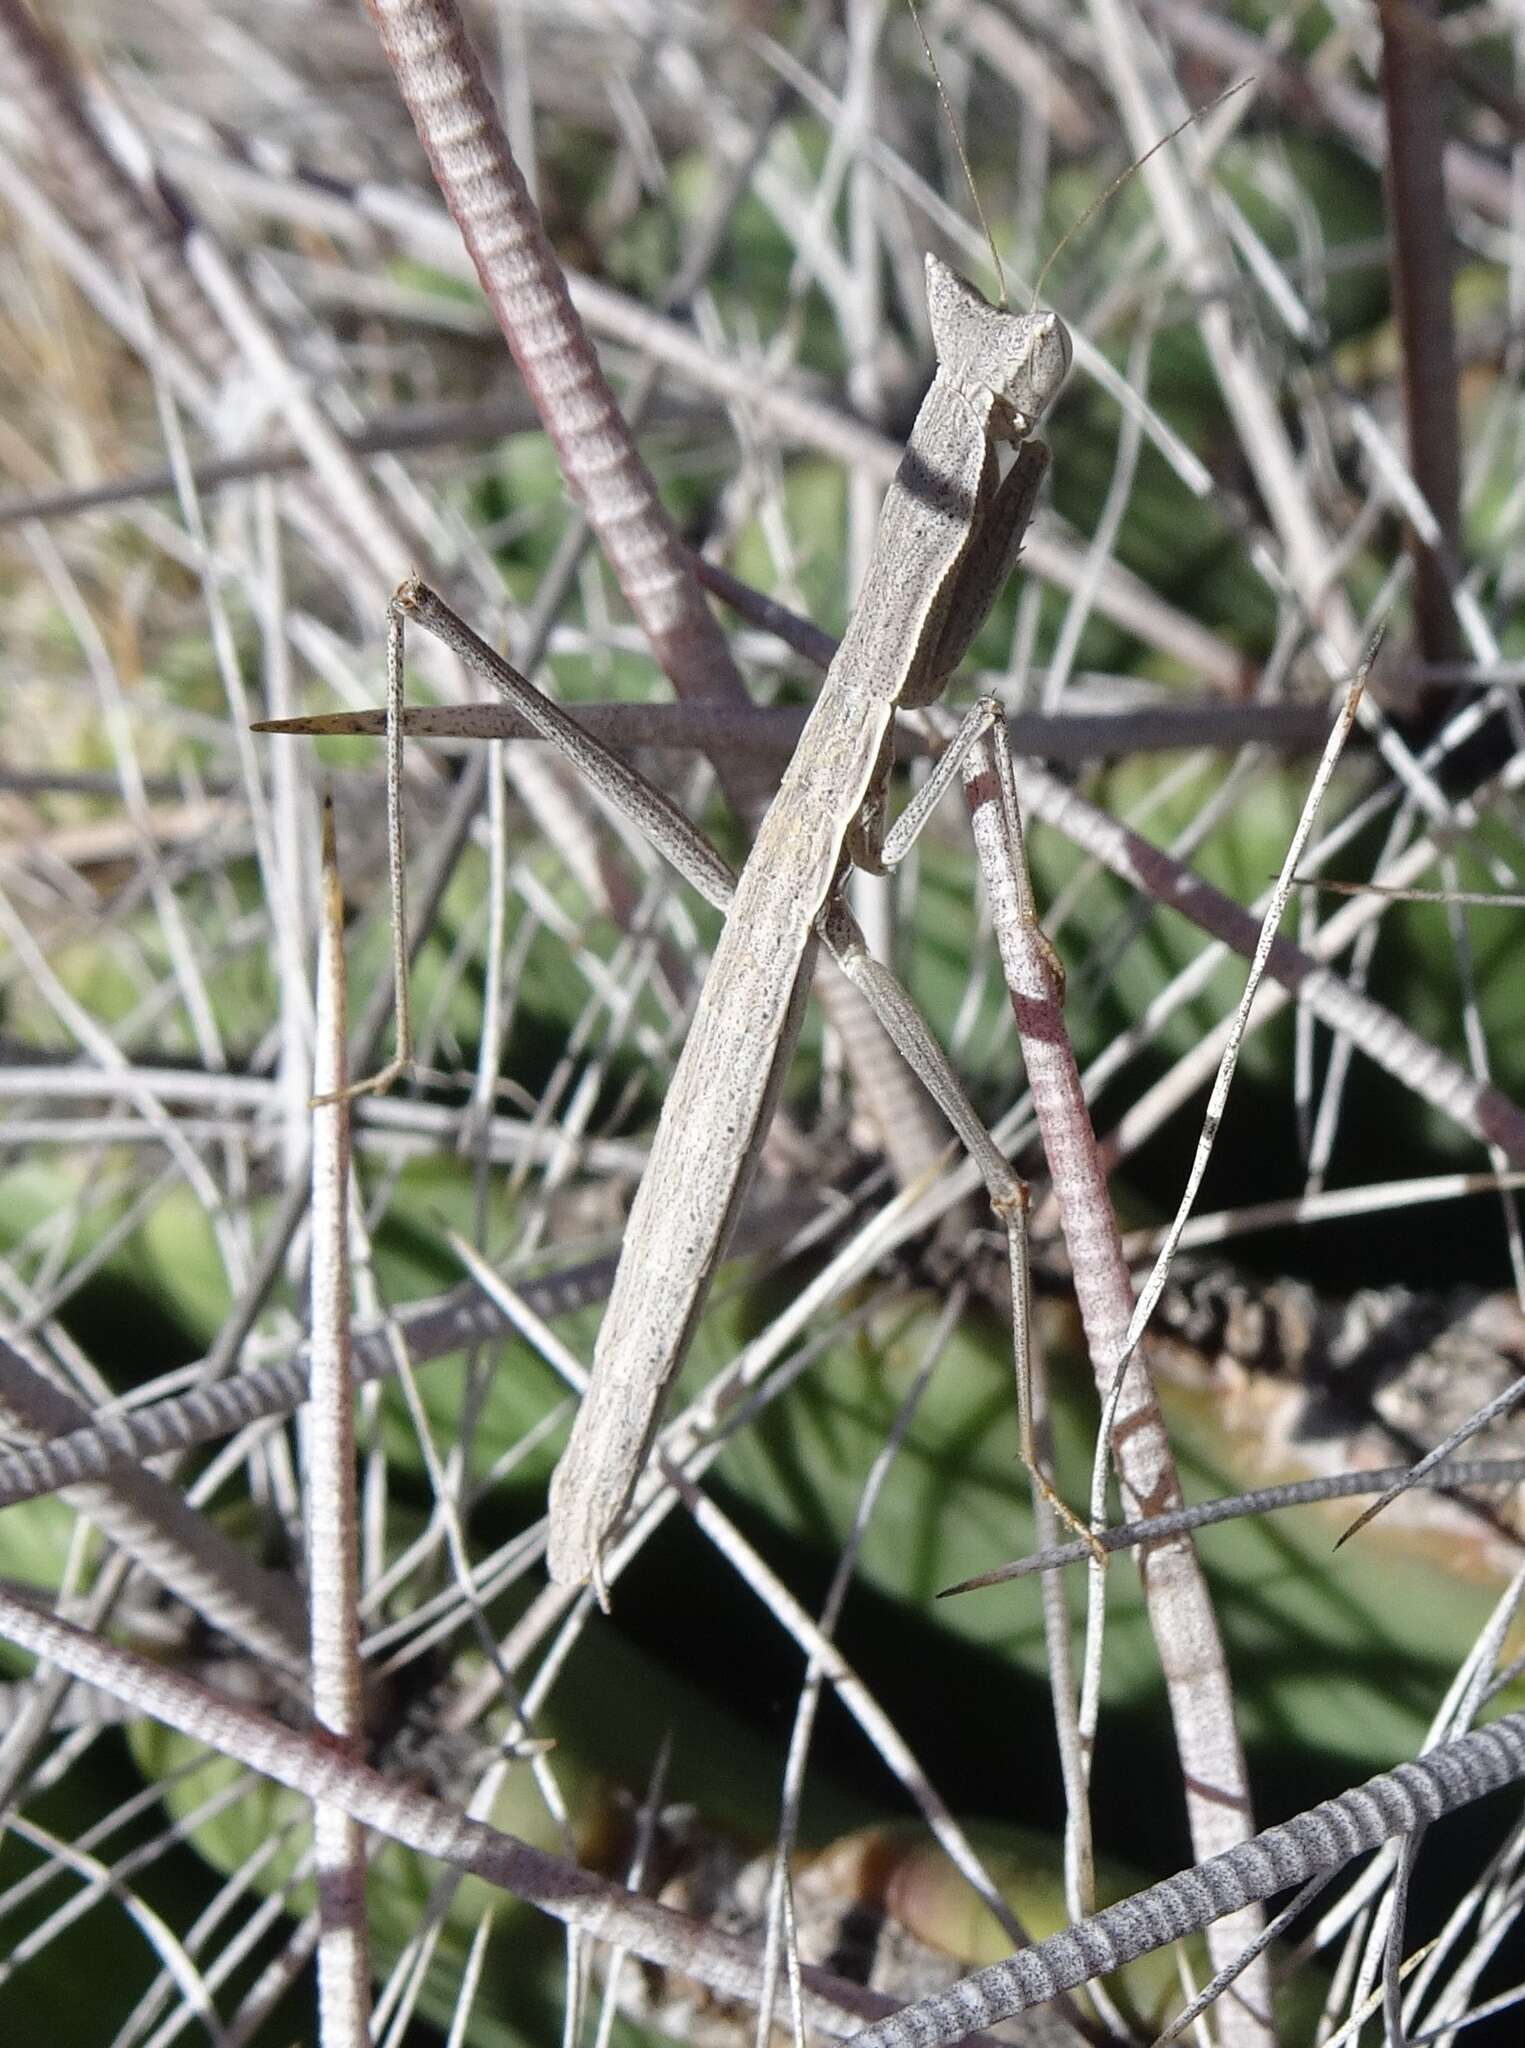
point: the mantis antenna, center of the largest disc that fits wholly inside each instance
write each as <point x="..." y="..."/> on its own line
<point x="1138" y="163"/>
<point x="1197" y="114"/>
<point x="963" y="156"/>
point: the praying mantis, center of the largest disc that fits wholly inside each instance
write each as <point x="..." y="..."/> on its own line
<point x="948" y="535"/>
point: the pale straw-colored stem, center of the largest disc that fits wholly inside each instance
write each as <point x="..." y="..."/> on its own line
<point x="344" y="1973"/>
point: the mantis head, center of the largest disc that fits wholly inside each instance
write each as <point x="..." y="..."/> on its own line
<point x="1019" y="359"/>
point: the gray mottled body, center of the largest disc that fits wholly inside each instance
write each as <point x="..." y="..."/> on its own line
<point x="929" y="582"/>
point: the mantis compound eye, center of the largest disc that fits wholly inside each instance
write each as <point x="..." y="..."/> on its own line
<point x="1041" y="369"/>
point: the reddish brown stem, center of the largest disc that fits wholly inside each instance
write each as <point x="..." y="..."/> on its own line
<point x="442" y="86"/>
<point x="1180" y="1608"/>
<point x="137" y="226"/>
<point x="1420" y="266"/>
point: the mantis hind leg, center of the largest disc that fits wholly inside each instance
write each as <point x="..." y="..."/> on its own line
<point x="1004" y="1186"/>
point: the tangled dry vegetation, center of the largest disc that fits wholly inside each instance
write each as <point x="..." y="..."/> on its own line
<point x="249" y="380"/>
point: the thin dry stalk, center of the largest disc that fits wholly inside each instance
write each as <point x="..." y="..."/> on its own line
<point x="136" y="225"/>
<point x="772" y="730"/>
<point x="191" y="288"/>
<point x="1421" y="273"/>
<point x="151" y="1523"/>
<point x="344" y="1964"/>
<point x="442" y="86"/>
<point x="788" y="410"/>
<point x="431" y="1328"/>
<point x="1263" y="1500"/>
<point x="1217" y="1787"/>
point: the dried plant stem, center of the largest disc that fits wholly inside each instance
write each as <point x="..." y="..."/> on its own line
<point x="441" y="83"/>
<point x="774" y="729"/>
<point x="406" y="427"/>
<point x="344" y="1971"/>
<point x="1420" y="245"/>
<point x="134" y="224"/>
<point x="154" y="1526"/>
<point x="1179" y="208"/>
<point x="430" y="1329"/>
<point x="792" y="414"/>
<point x="200" y="300"/>
<point x="1324" y="1839"/>
<point x="1238" y="1027"/>
<point x="1216" y="1779"/>
<point x="1324" y="94"/>
<point x="1476" y="1106"/>
<point x="1455" y="1475"/>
